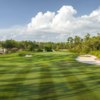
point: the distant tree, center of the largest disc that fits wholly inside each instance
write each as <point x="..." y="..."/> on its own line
<point x="10" y="44"/>
<point x="48" y="49"/>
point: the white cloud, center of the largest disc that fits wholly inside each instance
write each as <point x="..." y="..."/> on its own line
<point x="53" y="21"/>
<point x="48" y="26"/>
<point x="41" y="21"/>
<point x="64" y="21"/>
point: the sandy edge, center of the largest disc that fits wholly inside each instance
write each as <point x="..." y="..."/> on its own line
<point x="89" y="59"/>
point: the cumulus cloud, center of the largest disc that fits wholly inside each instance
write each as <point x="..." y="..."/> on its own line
<point x="53" y="21"/>
<point x="57" y="26"/>
<point x="64" y="21"/>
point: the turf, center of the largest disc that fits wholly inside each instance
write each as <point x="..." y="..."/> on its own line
<point x="48" y="76"/>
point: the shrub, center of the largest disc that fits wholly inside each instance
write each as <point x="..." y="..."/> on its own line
<point x="96" y="53"/>
<point x="48" y="49"/>
<point x="39" y="50"/>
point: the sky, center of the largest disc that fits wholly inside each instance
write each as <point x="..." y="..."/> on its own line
<point x="48" y="20"/>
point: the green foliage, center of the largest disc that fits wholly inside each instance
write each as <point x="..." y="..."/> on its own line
<point x="48" y="49"/>
<point x="96" y="53"/>
<point x="86" y="45"/>
<point x="14" y="46"/>
<point x="39" y="50"/>
<point x="74" y="44"/>
<point x="10" y="44"/>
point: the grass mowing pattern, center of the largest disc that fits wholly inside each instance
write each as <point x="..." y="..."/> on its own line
<point x="48" y="76"/>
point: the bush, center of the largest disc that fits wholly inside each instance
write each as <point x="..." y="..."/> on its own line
<point x="96" y="53"/>
<point x="48" y="49"/>
<point x="39" y="50"/>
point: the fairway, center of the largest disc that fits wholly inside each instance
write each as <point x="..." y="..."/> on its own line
<point x="48" y="76"/>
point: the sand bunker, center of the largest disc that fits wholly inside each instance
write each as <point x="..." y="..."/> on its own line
<point x="28" y="55"/>
<point x="89" y="59"/>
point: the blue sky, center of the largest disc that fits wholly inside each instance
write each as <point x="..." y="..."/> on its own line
<point x="20" y="12"/>
<point x="48" y="20"/>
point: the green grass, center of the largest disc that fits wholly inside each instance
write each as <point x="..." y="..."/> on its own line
<point x="48" y="76"/>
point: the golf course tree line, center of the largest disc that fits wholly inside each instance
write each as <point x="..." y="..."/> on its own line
<point x="87" y="44"/>
<point x="14" y="46"/>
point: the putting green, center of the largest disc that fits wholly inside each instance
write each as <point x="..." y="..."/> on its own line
<point x="48" y="76"/>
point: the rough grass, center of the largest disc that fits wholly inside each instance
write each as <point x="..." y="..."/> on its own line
<point x="48" y="76"/>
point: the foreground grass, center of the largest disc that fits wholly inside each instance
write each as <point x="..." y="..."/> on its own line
<point x="48" y="76"/>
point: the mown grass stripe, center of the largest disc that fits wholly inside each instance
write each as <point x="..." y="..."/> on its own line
<point x="69" y="79"/>
<point x="61" y="85"/>
<point x="48" y="76"/>
<point x="91" y="83"/>
<point x="46" y="85"/>
<point x="83" y="85"/>
<point x="14" y="78"/>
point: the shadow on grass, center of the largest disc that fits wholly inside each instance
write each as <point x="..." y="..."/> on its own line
<point x="13" y="90"/>
<point x="46" y="88"/>
<point x="78" y="85"/>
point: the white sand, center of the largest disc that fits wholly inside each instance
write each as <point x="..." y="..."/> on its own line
<point x="89" y="59"/>
<point x="28" y="55"/>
